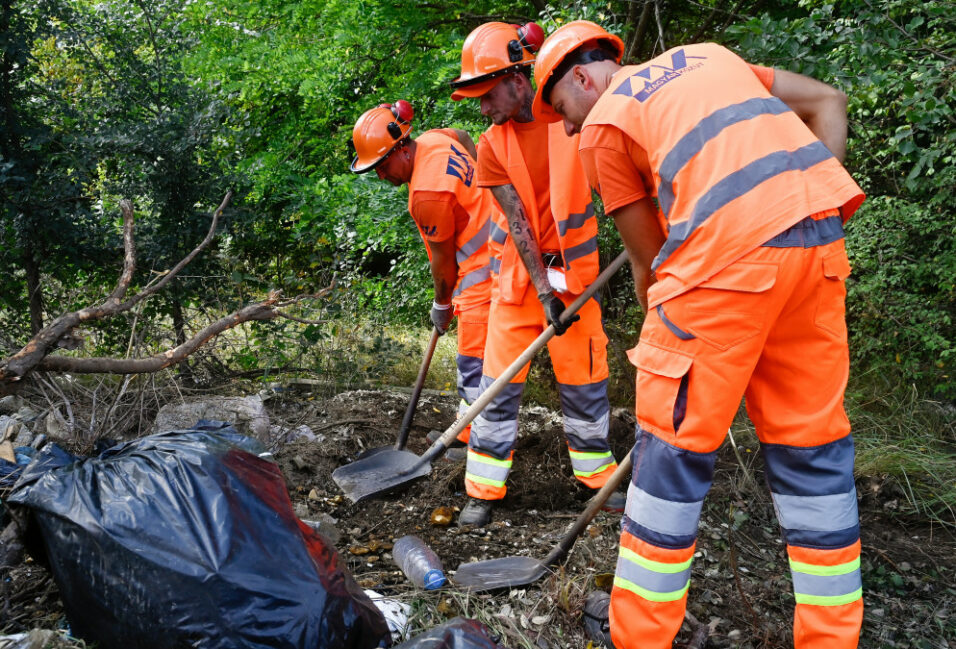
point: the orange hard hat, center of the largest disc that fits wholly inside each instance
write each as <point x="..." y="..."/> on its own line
<point x="378" y="131"/>
<point x="556" y="48"/>
<point x="491" y="51"/>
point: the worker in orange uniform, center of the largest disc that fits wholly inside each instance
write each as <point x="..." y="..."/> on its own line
<point x="452" y="214"/>
<point x="746" y="298"/>
<point x="544" y="253"/>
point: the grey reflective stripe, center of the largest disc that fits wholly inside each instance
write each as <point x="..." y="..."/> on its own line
<point x="588" y="466"/>
<point x="471" y="393"/>
<point x="809" y="233"/>
<point x="826" y="585"/>
<point x="662" y="516"/>
<point x="493" y="433"/>
<point x="474" y="244"/>
<point x="587" y="430"/>
<point x="476" y="276"/>
<point x="575" y="220"/>
<point x="481" y="469"/>
<point x="816" y="513"/>
<point x="705" y="130"/>
<point x="495" y="264"/>
<point x="496" y="234"/>
<point x="580" y="250"/>
<point x="736" y="185"/>
<point x="658" y="582"/>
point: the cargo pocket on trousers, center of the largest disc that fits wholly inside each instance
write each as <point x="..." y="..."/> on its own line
<point x="728" y="308"/>
<point x="598" y="369"/>
<point x="662" y="376"/>
<point x="831" y="298"/>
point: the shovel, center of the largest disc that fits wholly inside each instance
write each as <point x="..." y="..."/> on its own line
<point x="391" y="469"/>
<point x="412" y="404"/>
<point x="508" y="572"/>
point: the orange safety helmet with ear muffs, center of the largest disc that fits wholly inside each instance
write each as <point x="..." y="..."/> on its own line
<point x="491" y="51"/>
<point x="378" y="131"/>
<point x="559" y="45"/>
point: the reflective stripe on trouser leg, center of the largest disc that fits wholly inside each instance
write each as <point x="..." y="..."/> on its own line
<point x="469" y="387"/>
<point x="490" y="445"/>
<point x="586" y="419"/>
<point x="664" y="501"/>
<point x="815" y="499"/>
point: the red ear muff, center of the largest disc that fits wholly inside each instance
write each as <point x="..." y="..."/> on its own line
<point x="530" y="37"/>
<point x="403" y="112"/>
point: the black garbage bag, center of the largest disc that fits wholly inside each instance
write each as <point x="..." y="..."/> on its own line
<point x="188" y="539"/>
<point x="457" y="633"/>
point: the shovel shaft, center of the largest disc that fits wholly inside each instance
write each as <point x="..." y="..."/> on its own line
<point x="596" y="502"/>
<point x="417" y="391"/>
<point x="442" y="443"/>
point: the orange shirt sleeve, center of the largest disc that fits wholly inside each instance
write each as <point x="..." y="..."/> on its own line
<point x="491" y="172"/>
<point x="434" y="212"/>
<point x="764" y="74"/>
<point x="611" y="162"/>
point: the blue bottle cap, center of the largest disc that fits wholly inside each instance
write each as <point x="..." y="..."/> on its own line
<point x="434" y="579"/>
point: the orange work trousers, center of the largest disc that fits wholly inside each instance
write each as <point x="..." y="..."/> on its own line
<point x="579" y="358"/>
<point x="769" y="327"/>
<point x="472" y="332"/>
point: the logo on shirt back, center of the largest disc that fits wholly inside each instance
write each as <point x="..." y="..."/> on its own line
<point x="459" y="166"/>
<point x="651" y="78"/>
<point x="430" y="230"/>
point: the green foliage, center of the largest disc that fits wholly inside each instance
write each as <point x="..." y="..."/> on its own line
<point x="895" y="60"/>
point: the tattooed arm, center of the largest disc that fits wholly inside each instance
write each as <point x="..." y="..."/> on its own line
<point x="523" y="236"/>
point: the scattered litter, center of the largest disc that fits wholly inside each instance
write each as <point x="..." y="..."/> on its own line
<point x="396" y="614"/>
<point x="458" y="633"/>
<point x="442" y="516"/>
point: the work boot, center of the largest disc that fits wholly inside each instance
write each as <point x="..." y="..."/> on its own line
<point x="615" y="502"/>
<point x="597" y="625"/>
<point x="476" y="513"/>
<point x="457" y="451"/>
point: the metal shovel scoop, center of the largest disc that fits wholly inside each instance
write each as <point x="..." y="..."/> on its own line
<point x="508" y="572"/>
<point x="392" y="469"/>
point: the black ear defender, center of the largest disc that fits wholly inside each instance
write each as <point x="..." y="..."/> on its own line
<point x="403" y="113"/>
<point x="530" y="38"/>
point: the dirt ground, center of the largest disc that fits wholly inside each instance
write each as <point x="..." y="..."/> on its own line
<point x="740" y="588"/>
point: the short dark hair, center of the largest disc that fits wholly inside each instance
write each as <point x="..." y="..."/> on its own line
<point x="603" y="51"/>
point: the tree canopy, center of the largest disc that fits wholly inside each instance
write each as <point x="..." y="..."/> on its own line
<point x="172" y="102"/>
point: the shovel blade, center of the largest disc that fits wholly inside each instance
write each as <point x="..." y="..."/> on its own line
<point x="499" y="573"/>
<point x="379" y="473"/>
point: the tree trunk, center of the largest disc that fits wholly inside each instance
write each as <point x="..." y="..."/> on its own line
<point x="33" y="291"/>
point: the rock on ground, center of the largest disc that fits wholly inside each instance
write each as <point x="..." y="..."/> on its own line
<point x="247" y="414"/>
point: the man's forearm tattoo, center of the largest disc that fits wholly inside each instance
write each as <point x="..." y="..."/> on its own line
<point x="522" y="235"/>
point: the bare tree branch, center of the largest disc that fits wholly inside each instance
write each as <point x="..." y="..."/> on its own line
<point x="129" y="249"/>
<point x="14" y="368"/>
<point x="265" y="310"/>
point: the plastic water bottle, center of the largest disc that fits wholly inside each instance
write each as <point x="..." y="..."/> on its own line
<point x="419" y="562"/>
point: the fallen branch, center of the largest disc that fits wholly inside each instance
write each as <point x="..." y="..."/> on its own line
<point x="13" y="369"/>
<point x="265" y="310"/>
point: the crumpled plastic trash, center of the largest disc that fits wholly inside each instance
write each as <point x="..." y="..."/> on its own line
<point x="396" y="614"/>
<point x="188" y="538"/>
<point x="457" y="633"/>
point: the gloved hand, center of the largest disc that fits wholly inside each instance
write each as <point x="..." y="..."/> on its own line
<point x="553" y="308"/>
<point x="442" y="315"/>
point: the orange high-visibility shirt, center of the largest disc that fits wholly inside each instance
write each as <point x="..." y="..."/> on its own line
<point x="731" y="165"/>
<point x="532" y="140"/>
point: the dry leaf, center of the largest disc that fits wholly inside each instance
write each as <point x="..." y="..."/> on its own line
<point x="442" y="516"/>
<point x="604" y="580"/>
<point x="359" y="550"/>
